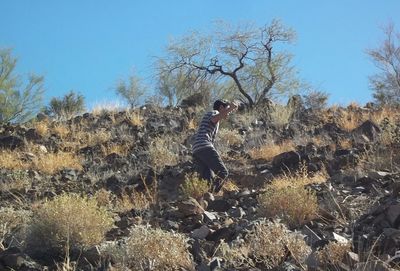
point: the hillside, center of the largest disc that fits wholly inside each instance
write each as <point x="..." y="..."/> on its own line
<point x="307" y="190"/>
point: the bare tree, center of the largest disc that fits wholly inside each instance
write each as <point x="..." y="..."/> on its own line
<point x="246" y="55"/>
<point x="386" y="57"/>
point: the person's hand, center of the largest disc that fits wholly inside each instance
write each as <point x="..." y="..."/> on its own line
<point x="233" y="105"/>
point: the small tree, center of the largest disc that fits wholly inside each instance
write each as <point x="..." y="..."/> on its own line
<point x="19" y="101"/>
<point x="315" y="99"/>
<point x="68" y="106"/>
<point x="131" y="90"/>
<point x="386" y="84"/>
<point x="247" y="56"/>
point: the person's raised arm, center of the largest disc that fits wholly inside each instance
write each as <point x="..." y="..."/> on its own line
<point x="224" y="112"/>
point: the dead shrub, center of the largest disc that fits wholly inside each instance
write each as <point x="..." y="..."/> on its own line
<point x="287" y="198"/>
<point x="333" y="253"/>
<point x="68" y="220"/>
<point x="154" y="249"/>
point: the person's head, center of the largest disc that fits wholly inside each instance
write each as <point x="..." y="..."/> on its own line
<point x="218" y="103"/>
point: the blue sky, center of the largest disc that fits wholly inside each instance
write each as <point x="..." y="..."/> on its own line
<point x="87" y="45"/>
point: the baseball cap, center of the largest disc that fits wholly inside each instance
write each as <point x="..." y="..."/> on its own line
<point x="220" y="102"/>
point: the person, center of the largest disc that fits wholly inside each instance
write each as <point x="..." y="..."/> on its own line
<point x="208" y="162"/>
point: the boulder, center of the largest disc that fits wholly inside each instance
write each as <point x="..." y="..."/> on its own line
<point x="11" y="142"/>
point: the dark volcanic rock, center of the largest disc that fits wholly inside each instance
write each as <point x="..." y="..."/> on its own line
<point x="286" y="161"/>
<point x="11" y="142"/>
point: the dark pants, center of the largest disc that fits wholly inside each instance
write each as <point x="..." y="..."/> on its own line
<point x="210" y="167"/>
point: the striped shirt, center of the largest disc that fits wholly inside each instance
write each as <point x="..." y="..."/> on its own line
<point x="205" y="136"/>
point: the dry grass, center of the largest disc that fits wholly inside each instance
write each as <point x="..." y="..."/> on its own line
<point x="138" y="201"/>
<point x="269" y="151"/>
<point x="38" y="160"/>
<point x="280" y="115"/>
<point x="68" y="219"/>
<point x="192" y="125"/>
<point x="333" y="253"/>
<point x="230" y="186"/>
<point x="61" y="130"/>
<point x="345" y="143"/>
<point x="134" y="118"/>
<point x="121" y="149"/>
<point x="42" y="128"/>
<point x="194" y="186"/>
<point x="230" y="137"/>
<point x="153" y="249"/>
<point x="287" y="198"/>
<point x="267" y="244"/>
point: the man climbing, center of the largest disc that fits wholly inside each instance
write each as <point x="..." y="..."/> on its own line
<point x="208" y="162"/>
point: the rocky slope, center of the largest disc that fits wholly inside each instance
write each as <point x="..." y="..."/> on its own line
<point x="147" y="152"/>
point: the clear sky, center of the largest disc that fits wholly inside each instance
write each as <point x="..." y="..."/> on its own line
<point x="87" y="45"/>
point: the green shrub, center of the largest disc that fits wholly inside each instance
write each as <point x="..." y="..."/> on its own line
<point x="194" y="186"/>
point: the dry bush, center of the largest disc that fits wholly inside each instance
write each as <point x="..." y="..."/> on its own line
<point x="68" y="219"/>
<point x="42" y="128"/>
<point x="269" y="151"/>
<point x="287" y="198"/>
<point x="134" y="118"/>
<point x="90" y="138"/>
<point x="161" y="152"/>
<point x="230" y="186"/>
<point x="269" y="243"/>
<point x="61" y="130"/>
<point x="345" y="143"/>
<point x="153" y="249"/>
<point x="230" y="137"/>
<point x="11" y="223"/>
<point x="194" y="186"/>
<point x="280" y="115"/>
<point x="333" y="253"/>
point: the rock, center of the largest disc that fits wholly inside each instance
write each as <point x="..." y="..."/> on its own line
<point x="11" y="142"/>
<point x="190" y="207"/>
<point x="225" y="233"/>
<point x="209" y="216"/>
<point x="33" y="135"/>
<point x="340" y="239"/>
<point x="351" y="259"/>
<point x="286" y="161"/>
<point x="200" y="233"/>
<point x="368" y="129"/>
<point x="219" y="205"/>
<point x="311" y="236"/>
<point x="236" y="212"/>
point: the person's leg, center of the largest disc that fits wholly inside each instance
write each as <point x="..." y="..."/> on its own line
<point x="211" y="159"/>
<point x="202" y="169"/>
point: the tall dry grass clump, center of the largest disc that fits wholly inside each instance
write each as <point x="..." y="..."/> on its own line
<point x="287" y="198"/>
<point x="333" y="253"/>
<point x="68" y="221"/>
<point x="270" y="150"/>
<point x="153" y="249"/>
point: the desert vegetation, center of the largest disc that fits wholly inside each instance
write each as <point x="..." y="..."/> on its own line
<point x="311" y="186"/>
